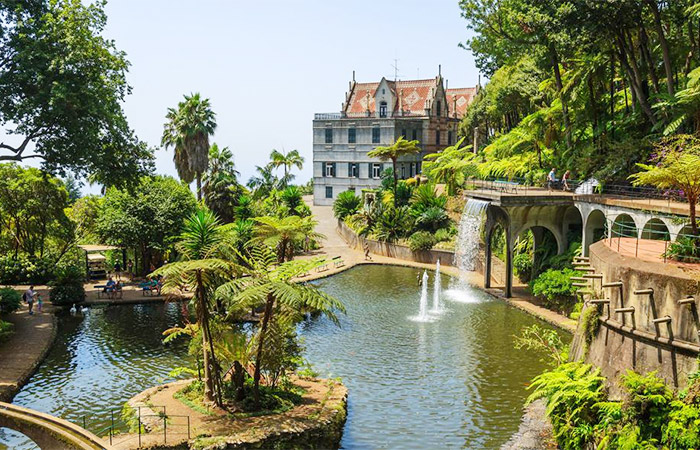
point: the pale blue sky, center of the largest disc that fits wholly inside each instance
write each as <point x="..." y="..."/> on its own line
<point x="267" y="66"/>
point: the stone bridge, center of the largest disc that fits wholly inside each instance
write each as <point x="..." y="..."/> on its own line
<point x="567" y="215"/>
<point x="48" y="432"/>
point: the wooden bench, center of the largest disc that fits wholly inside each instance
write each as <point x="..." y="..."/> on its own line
<point x="102" y="292"/>
<point x="506" y="186"/>
<point x="338" y="262"/>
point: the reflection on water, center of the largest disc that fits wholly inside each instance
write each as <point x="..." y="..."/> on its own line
<point x="454" y="383"/>
<point x="98" y="362"/>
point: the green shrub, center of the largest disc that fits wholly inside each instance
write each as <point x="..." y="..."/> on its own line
<point x="522" y="263"/>
<point x="10" y="300"/>
<point x="432" y="219"/>
<point x="421" y="240"/>
<point x="6" y="330"/>
<point x="393" y="224"/>
<point x="444" y="234"/>
<point x="23" y="270"/>
<point x="67" y="288"/>
<point x="556" y="289"/>
<point x="346" y="204"/>
<point x="685" y="249"/>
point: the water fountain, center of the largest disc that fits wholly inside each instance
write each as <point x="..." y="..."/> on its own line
<point x="423" y="306"/>
<point x="437" y="301"/>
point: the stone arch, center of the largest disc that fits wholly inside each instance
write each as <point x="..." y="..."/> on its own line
<point x="542" y="240"/>
<point x="624" y="225"/>
<point x="558" y="235"/>
<point x="686" y="230"/>
<point x="656" y="229"/>
<point x="593" y="229"/>
<point x="572" y="225"/>
<point x="497" y="216"/>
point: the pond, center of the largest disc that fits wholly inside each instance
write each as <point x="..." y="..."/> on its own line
<point x="455" y="382"/>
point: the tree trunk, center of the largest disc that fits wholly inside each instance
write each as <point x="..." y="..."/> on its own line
<point x="396" y="178"/>
<point x="199" y="186"/>
<point x="261" y="342"/>
<point x="560" y="86"/>
<point x="207" y="358"/>
<point x="664" y="44"/>
<point x="647" y="59"/>
<point x="635" y="77"/>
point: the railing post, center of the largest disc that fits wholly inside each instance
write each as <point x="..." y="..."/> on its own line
<point x="111" y="428"/>
<point x="165" y="430"/>
<point x="139" y="427"/>
<point x="636" y="248"/>
<point x="84" y="423"/>
<point x="188" y="428"/>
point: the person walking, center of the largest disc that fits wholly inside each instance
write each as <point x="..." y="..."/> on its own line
<point x="29" y="298"/>
<point x="367" y="257"/>
<point x="117" y="271"/>
<point x="551" y="179"/>
<point x="564" y="179"/>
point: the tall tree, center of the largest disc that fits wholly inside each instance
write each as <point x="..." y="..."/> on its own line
<point x="284" y="233"/>
<point x="270" y="285"/>
<point x="287" y="161"/>
<point x="392" y="153"/>
<point x="62" y="86"/>
<point x="187" y="129"/>
<point x="220" y="186"/>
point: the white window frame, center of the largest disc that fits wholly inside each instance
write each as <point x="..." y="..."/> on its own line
<point x="376" y="171"/>
<point x="329" y="170"/>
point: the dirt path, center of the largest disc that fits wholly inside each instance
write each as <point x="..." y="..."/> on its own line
<point x="25" y="349"/>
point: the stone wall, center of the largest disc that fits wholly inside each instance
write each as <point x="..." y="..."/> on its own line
<point x="446" y="257"/>
<point x="631" y="340"/>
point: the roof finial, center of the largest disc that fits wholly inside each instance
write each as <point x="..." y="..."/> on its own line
<point x="353" y="75"/>
<point x="439" y="70"/>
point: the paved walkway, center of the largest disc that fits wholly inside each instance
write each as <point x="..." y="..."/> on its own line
<point x="25" y="349"/>
<point x="646" y="250"/>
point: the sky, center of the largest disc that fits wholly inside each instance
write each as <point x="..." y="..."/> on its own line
<point x="268" y="66"/>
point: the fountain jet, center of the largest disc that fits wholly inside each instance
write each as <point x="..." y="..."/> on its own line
<point x="437" y="301"/>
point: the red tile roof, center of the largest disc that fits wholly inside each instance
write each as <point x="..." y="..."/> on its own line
<point x="459" y="100"/>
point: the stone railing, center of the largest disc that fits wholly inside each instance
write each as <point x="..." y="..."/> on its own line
<point x="446" y="257"/>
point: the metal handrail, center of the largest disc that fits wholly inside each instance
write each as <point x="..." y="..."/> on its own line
<point x="615" y="232"/>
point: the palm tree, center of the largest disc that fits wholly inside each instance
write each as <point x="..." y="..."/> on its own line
<point x="282" y="233"/>
<point x="393" y="152"/>
<point x="270" y="284"/>
<point x="264" y="182"/>
<point x="287" y="161"/>
<point x="187" y="129"/>
<point x="201" y="266"/>
<point x="220" y="187"/>
<point x="451" y="166"/>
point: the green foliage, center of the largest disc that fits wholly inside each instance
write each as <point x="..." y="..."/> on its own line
<point x="555" y="288"/>
<point x="591" y="325"/>
<point x="6" y="330"/>
<point x="148" y="220"/>
<point x="346" y="204"/>
<point x="684" y="249"/>
<point x="62" y="86"/>
<point x="421" y="240"/>
<point x="24" y="270"/>
<point x="572" y="391"/>
<point x="67" y="287"/>
<point x="220" y="187"/>
<point x="543" y="340"/>
<point x="393" y="224"/>
<point x="10" y="300"/>
<point x="451" y="166"/>
<point x="522" y="264"/>
<point x="286" y="161"/>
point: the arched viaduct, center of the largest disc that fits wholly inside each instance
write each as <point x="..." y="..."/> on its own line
<point x="564" y="215"/>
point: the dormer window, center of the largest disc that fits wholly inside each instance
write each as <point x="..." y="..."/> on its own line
<point x="382" y="109"/>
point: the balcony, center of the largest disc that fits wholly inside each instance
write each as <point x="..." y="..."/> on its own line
<point x="327" y="116"/>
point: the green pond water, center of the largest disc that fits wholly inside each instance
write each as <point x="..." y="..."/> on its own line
<point x="454" y="381"/>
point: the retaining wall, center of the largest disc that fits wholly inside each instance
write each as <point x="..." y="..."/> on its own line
<point x="446" y="257"/>
<point x="631" y="340"/>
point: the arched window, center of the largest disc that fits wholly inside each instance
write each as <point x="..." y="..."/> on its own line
<point x="382" y="109"/>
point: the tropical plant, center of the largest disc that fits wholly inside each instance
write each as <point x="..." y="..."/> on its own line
<point x="392" y="153"/>
<point x="544" y="340"/>
<point x="393" y="224"/>
<point x="572" y="391"/>
<point x="555" y="288"/>
<point x="187" y="130"/>
<point x="421" y="240"/>
<point x="67" y="287"/>
<point x="263" y="183"/>
<point x="284" y="233"/>
<point x="220" y="186"/>
<point x="452" y="166"/>
<point x="346" y="204"/>
<point x="286" y="161"/>
<point x="432" y="219"/>
<point x="677" y="166"/>
<point x="202" y="267"/>
<point x="269" y="284"/>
